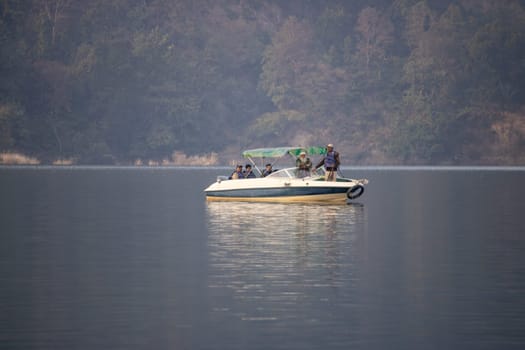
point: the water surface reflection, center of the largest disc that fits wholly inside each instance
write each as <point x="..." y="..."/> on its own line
<point x="292" y="263"/>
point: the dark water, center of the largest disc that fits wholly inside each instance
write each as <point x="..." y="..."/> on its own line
<point x="113" y="258"/>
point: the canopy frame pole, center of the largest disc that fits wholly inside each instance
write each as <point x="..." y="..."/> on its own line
<point x="254" y="165"/>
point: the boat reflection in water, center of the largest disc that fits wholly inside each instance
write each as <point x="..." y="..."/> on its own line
<point x="282" y="262"/>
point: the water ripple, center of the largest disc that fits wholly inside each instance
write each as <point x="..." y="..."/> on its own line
<point x="268" y="259"/>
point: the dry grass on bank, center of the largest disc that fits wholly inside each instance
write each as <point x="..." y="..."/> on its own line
<point x="177" y="159"/>
<point x="63" y="162"/>
<point x="9" y="158"/>
<point x="181" y="159"/>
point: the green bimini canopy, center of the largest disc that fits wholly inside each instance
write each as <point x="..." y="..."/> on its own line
<point x="278" y="152"/>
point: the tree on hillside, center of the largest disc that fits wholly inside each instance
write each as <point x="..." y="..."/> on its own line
<point x="302" y="84"/>
<point x="113" y="81"/>
<point x="375" y="35"/>
<point x="435" y="73"/>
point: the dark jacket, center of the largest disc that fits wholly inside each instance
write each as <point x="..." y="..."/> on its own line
<point x="249" y="175"/>
<point x="266" y="172"/>
<point x="306" y="165"/>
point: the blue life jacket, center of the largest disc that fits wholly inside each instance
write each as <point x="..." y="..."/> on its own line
<point x="329" y="160"/>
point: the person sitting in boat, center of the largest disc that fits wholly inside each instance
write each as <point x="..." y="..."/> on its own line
<point x="237" y="173"/>
<point x="268" y="170"/>
<point x="303" y="164"/>
<point x="248" y="173"/>
<point x="331" y="163"/>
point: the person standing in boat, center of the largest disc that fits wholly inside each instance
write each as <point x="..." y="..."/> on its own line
<point x="303" y="164"/>
<point x="237" y="173"/>
<point x="331" y="163"/>
<point x="248" y="173"/>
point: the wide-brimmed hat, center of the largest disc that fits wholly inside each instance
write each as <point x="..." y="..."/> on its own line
<point x="302" y="152"/>
<point x="330" y="145"/>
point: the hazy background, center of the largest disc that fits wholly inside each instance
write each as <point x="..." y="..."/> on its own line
<point x="388" y="82"/>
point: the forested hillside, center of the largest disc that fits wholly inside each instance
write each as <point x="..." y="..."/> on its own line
<point x="388" y="82"/>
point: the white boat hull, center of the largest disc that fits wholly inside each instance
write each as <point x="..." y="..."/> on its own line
<point x="281" y="190"/>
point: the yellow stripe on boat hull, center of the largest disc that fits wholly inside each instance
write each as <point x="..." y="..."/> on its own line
<point x="333" y="197"/>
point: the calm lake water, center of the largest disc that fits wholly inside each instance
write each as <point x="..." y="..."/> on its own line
<point x="135" y="258"/>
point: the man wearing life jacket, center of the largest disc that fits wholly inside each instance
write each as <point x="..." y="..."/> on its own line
<point x="331" y="163"/>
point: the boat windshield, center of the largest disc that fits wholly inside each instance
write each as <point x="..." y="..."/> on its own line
<point x="293" y="173"/>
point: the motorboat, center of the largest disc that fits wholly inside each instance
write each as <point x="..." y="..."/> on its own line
<point x="285" y="185"/>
